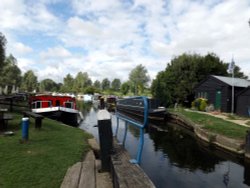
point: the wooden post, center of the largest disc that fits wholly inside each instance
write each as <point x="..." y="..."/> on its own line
<point x="105" y="138"/>
<point x="247" y="146"/>
<point x="11" y="104"/>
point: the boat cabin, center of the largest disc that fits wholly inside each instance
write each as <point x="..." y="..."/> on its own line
<point x="46" y="101"/>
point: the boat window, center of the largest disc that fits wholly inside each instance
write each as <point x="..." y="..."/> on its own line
<point x="57" y="103"/>
<point x="68" y="104"/>
<point x="38" y="104"/>
<point x="49" y="103"/>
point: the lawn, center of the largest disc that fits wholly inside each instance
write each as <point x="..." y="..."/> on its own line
<point x="216" y="125"/>
<point x="44" y="159"/>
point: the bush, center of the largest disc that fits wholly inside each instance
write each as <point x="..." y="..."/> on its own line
<point x="200" y="104"/>
<point x="203" y="104"/>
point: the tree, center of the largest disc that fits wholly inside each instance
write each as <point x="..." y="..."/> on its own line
<point x="125" y="88"/>
<point x="91" y="90"/>
<point x="11" y="74"/>
<point x="29" y="81"/>
<point x="3" y="42"/>
<point x="81" y="81"/>
<point x="68" y="83"/>
<point x="116" y="84"/>
<point x="48" y="85"/>
<point x="97" y="84"/>
<point x="105" y="84"/>
<point x="139" y="78"/>
<point x="182" y="74"/>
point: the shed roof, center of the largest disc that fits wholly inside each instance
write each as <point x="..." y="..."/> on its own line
<point x="238" y="82"/>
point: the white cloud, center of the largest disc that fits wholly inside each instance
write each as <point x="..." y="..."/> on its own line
<point x="108" y="39"/>
<point x="21" y="49"/>
<point x="83" y="7"/>
<point x="55" y="52"/>
<point x="25" y="64"/>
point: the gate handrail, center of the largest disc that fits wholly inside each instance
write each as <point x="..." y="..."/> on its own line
<point x="137" y="124"/>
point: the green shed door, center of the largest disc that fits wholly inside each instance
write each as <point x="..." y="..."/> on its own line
<point x="218" y="100"/>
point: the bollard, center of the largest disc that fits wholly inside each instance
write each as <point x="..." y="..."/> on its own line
<point x="25" y="128"/>
<point x="105" y="138"/>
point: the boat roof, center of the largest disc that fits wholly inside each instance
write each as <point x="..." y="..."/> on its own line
<point x="50" y="95"/>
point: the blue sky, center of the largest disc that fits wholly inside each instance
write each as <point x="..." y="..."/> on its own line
<point x="108" y="38"/>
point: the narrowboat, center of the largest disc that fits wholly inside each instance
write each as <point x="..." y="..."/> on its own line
<point x="135" y="106"/>
<point x="111" y="103"/>
<point x="55" y="106"/>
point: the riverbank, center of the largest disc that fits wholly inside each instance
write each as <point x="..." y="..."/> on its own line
<point x="214" y="130"/>
<point x="43" y="160"/>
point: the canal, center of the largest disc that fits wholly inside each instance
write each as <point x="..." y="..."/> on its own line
<point x="172" y="157"/>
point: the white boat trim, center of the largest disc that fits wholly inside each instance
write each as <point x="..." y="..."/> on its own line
<point x="54" y="109"/>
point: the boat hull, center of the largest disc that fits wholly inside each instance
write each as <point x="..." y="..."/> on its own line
<point x="69" y="118"/>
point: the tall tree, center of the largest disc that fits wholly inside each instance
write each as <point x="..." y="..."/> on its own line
<point x="139" y="78"/>
<point x="116" y="84"/>
<point x="48" y="85"/>
<point x="3" y="42"/>
<point x="81" y="81"/>
<point x="68" y="83"/>
<point x="125" y="88"/>
<point x="29" y="81"/>
<point x="11" y="74"/>
<point x="105" y="84"/>
<point x="97" y="84"/>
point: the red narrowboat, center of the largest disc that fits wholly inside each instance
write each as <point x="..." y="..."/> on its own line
<point x="58" y="107"/>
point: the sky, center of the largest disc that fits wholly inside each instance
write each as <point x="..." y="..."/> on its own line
<point x="109" y="38"/>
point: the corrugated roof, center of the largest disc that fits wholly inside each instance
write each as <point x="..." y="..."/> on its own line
<point x="238" y="82"/>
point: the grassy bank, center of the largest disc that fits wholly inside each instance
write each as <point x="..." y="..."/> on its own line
<point x="216" y="125"/>
<point x="44" y="159"/>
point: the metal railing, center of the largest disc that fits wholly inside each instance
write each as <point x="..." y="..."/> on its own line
<point x="133" y="122"/>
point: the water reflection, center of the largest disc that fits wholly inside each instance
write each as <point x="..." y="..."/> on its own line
<point x="182" y="150"/>
<point x="174" y="158"/>
<point x="84" y="107"/>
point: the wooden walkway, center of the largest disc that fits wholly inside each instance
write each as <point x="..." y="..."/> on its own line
<point x="123" y="174"/>
<point x="85" y="174"/>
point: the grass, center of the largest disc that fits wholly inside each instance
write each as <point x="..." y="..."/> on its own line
<point x="216" y="125"/>
<point x="44" y="159"/>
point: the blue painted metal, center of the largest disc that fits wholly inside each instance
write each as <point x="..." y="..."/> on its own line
<point x="25" y="128"/>
<point x="125" y="133"/>
<point x="139" y="125"/>
<point x="117" y="126"/>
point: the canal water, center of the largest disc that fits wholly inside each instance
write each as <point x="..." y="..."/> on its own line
<point x="172" y="157"/>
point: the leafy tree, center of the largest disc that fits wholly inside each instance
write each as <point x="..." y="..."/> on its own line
<point x="97" y="84"/>
<point x="11" y="74"/>
<point x="116" y="84"/>
<point x="139" y="78"/>
<point x="182" y="74"/>
<point x="3" y="42"/>
<point x="68" y="83"/>
<point x="105" y="84"/>
<point x="48" y="85"/>
<point x="91" y="90"/>
<point x="81" y="81"/>
<point x="29" y="81"/>
<point x="125" y="88"/>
